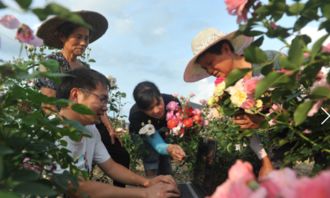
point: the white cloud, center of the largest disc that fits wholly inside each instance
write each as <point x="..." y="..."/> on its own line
<point x="204" y="90"/>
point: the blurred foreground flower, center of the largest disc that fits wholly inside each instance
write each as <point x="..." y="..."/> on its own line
<point x="280" y="183"/>
<point x="24" y="33"/>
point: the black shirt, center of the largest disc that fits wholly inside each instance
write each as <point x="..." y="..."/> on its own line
<point x="137" y="117"/>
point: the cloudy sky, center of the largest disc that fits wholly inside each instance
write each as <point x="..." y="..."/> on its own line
<point x="146" y="40"/>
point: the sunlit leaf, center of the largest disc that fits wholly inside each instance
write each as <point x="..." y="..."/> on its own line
<point x="295" y="8"/>
<point x="300" y="113"/>
<point x="317" y="46"/>
<point x="82" y="109"/>
<point x="254" y="54"/>
<point x="326" y="10"/>
<point x="296" y="51"/>
<point x="51" y="65"/>
<point x="321" y="92"/>
<point x="267" y="82"/>
<point x="235" y="75"/>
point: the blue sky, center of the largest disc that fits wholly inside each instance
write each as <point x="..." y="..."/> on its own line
<point x="146" y="40"/>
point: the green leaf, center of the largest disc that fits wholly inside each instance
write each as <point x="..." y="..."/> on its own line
<point x="77" y="126"/>
<point x="1" y="167"/>
<point x="326" y="10"/>
<point x="300" y="23"/>
<point x="317" y="46"/>
<point x="24" y="4"/>
<point x="2" y="5"/>
<point x="321" y="92"/>
<point x="9" y="194"/>
<point x="296" y="51"/>
<point x="258" y="42"/>
<point x="254" y="54"/>
<point x="295" y="8"/>
<point x="25" y="175"/>
<point x="41" y="13"/>
<point x="33" y="188"/>
<point x="4" y="150"/>
<point x="51" y="65"/>
<point x="82" y="109"/>
<point x="300" y="113"/>
<point x="267" y="82"/>
<point x="235" y="75"/>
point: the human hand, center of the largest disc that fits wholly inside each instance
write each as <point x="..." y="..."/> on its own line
<point x="248" y="121"/>
<point x="167" y="179"/>
<point x="105" y="120"/>
<point x="162" y="190"/>
<point x="176" y="152"/>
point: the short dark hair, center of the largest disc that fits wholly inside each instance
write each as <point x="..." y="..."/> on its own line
<point x="67" y="28"/>
<point x="145" y="94"/>
<point x="216" y="48"/>
<point x="81" y="78"/>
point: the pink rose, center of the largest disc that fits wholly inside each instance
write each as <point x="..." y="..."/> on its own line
<point x="326" y="48"/>
<point x="250" y="85"/>
<point x="317" y="187"/>
<point x="25" y="35"/>
<point x="10" y="22"/>
<point x="241" y="171"/>
<point x="248" y="103"/>
<point x="236" y="7"/>
<point x="282" y="180"/>
<point x="169" y="115"/>
<point x="273" y="25"/>
<point x="218" y="80"/>
<point x="315" y="108"/>
<point x="172" y="106"/>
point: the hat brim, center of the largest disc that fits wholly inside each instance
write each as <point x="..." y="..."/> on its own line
<point x="48" y="30"/>
<point x="195" y="72"/>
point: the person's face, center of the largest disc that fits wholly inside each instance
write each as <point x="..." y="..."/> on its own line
<point x="77" y="42"/>
<point x="157" y="109"/>
<point x="96" y="100"/>
<point x="218" y="65"/>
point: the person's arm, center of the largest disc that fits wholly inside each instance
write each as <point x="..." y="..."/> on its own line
<point x="97" y="189"/>
<point x="158" y="143"/>
<point x="106" y="121"/>
<point x="124" y="175"/>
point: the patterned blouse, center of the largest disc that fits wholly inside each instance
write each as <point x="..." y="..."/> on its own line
<point x="64" y="66"/>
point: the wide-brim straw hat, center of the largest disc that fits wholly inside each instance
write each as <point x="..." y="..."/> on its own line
<point x="206" y="39"/>
<point x="48" y="31"/>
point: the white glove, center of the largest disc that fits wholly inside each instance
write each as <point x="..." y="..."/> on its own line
<point x="257" y="148"/>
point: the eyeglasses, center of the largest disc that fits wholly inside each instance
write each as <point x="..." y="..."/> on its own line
<point x="103" y="99"/>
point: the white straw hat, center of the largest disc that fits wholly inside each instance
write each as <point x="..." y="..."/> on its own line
<point x="206" y="39"/>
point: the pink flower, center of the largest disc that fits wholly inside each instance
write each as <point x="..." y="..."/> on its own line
<point x="241" y="171"/>
<point x="218" y="80"/>
<point x="172" y="106"/>
<point x="273" y="25"/>
<point x="197" y="112"/>
<point x="250" y="85"/>
<point x="10" y="22"/>
<point x="24" y="34"/>
<point x="203" y="101"/>
<point x="280" y="182"/>
<point x="248" y="103"/>
<point x="236" y="7"/>
<point x="169" y="115"/>
<point x="326" y="48"/>
<point x="315" y="108"/>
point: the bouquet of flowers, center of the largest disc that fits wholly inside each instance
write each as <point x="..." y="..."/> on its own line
<point x="182" y="117"/>
<point x="240" y="96"/>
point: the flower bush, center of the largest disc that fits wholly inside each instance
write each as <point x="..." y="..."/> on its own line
<point x="284" y="183"/>
<point x="296" y="130"/>
<point x="182" y="117"/>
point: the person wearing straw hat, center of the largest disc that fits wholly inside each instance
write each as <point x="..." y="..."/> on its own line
<point x="217" y="54"/>
<point x="72" y="39"/>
